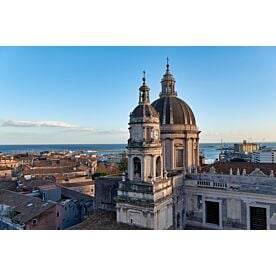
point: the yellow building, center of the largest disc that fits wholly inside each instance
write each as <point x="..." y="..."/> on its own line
<point x="246" y="147"/>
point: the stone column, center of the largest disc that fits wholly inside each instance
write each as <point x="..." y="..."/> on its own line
<point x="172" y="154"/>
<point x="143" y="171"/>
<point x="152" y="170"/>
<point x="162" y="167"/>
<point x="130" y="167"/>
<point x="192" y="151"/>
<point x="197" y="151"/>
<point x="186" y="153"/>
<point x="163" y="153"/>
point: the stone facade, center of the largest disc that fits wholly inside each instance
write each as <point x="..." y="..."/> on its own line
<point x="179" y="133"/>
<point x="165" y="187"/>
<point x="145" y="197"/>
<point x="235" y="195"/>
<point x="106" y="189"/>
<point x="163" y="144"/>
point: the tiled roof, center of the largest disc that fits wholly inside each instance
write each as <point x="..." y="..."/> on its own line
<point x="75" y="195"/>
<point x="224" y="167"/>
<point x="26" y="208"/>
<point x="7" y="185"/>
<point x="48" y="187"/>
<point x="103" y="220"/>
<point x="37" y="182"/>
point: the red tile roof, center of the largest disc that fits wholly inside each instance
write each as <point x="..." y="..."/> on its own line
<point x="224" y="167"/>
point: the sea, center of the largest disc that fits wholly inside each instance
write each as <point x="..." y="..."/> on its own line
<point x="210" y="150"/>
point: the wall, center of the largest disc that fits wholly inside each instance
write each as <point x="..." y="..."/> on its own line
<point x="136" y="215"/>
<point x="234" y="206"/>
<point x="178" y="201"/>
<point x="71" y="213"/>
<point x="45" y="221"/>
<point x="105" y="192"/>
<point x="51" y="194"/>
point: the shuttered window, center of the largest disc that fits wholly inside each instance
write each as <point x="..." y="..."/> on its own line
<point x="258" y="218"/>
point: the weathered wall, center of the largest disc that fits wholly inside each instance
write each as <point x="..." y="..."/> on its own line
<point x="45" y="221"/>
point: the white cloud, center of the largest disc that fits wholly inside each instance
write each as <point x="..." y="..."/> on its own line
<point x="12" y="123"/>
<point x="61" y="125"/>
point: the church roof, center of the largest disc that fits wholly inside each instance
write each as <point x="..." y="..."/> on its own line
<point x="173" y="110"/>
<point x="144" y="110"/>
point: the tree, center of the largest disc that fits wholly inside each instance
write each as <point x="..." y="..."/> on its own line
<point x="123" y="163"/>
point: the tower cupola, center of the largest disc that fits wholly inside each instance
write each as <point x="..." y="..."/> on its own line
<point x="144" y="97"/>
<point x="168" y="83"/>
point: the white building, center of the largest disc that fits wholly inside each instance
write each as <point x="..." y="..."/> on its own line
<point x="264" y="156"/>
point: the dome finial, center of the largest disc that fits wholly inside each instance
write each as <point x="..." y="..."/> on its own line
<point x="144" y="77"/>
<point x="168" y="63"/>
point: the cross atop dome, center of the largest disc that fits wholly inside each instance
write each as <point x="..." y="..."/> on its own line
<point x="144" y="77"/>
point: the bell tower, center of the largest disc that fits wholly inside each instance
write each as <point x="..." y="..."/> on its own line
<point x="144" y="197"/>
<point x="144" y="145"/>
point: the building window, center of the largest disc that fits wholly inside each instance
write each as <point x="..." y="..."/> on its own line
<point x="137" y="167"/>
<point x="179" y="158"/>
<point x="212" y="212"/>
<point x="34" y="221"/>
<point x="57" y="214"/>
<point x="148" y="134"/>
<point x="258" y="218"/>
<point x="158" y="166"/>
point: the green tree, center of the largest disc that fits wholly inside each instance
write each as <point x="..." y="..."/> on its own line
<point x="123" y="163"/>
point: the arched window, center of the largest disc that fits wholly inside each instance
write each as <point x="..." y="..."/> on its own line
<point x="137" y="167"/>
<point x="158" y="166"/>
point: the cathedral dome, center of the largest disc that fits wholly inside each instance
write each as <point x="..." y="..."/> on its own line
<point x="173" y="110"/>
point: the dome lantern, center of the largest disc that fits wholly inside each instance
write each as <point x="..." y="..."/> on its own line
<point x="144" y="91"/>
<point x="168" y="83"/>
<point x="171" y="109"/>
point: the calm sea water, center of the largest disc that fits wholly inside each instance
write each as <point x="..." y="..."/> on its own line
<point x="211" y="151"/>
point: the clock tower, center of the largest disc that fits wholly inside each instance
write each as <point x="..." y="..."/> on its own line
<point x="145" y="196"/>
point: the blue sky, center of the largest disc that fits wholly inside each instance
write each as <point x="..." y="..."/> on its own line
<point x="85" y="94"/>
